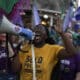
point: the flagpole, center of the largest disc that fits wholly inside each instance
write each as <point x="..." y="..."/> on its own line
<point x="33" y="62"/>
<point x="34" y="22"/>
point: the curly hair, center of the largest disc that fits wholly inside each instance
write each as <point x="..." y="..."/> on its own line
<point x="41" y="29"/>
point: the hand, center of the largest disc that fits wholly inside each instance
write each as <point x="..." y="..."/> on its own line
<point x="27" y="33"/>
<point x="58" y="26"/>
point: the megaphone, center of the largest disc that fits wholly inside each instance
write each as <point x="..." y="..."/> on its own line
<point x="7" y="27"/>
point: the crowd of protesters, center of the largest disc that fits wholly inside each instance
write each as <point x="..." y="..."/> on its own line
<point x="44" y="57"/>
<point x="48" y="55"/>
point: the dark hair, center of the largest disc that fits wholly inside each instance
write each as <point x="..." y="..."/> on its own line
<point x="40" y="28"/>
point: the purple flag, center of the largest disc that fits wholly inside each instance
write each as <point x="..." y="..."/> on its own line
<point x="25" y="4"/>
<point x="77" y="19"/>
<point x="77" y="15"/>
<point x="15" y="16"/>
<point x="77" y="28"/>
<point x="36" y="17"/>
<point x="68" y="18"/>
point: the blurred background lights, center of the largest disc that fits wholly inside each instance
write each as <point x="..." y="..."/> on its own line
<point x="45" y="16"/>
<point x="43" y="23"/>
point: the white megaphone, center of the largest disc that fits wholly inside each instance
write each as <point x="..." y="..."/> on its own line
<point x="7" y="27"/>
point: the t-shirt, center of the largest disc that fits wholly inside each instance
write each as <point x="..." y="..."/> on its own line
<point x="45" y="58"/>
<point x="69" y="67"/>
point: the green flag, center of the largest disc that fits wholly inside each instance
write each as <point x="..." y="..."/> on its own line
<point x="7" y="5"/>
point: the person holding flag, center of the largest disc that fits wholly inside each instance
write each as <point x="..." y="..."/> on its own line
<point x="69" y="67"/>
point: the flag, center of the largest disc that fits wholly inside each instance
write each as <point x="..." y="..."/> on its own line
<point x="7" y="5"/>
<point x="76" y="28"/>
<point x="25" y="4"/>
<point x="15" y="16"/>
<point x="76" y="18"/>
<point x="68" y="17"/>
<point x="36" y="17"/>
<point x="77" y="15"/>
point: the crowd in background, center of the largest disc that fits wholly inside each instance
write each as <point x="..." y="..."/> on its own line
<point x="51" y="54"/>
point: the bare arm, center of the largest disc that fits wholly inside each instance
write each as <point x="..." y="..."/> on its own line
<point x="69" y="47"/>
<point x="15" y="64"/>
<point x="11" y="52"/>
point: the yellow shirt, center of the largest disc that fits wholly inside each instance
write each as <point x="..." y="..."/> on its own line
<point x="45" y="57"/>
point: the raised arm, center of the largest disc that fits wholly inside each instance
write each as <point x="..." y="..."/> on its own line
<point x="69" y="49"/>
